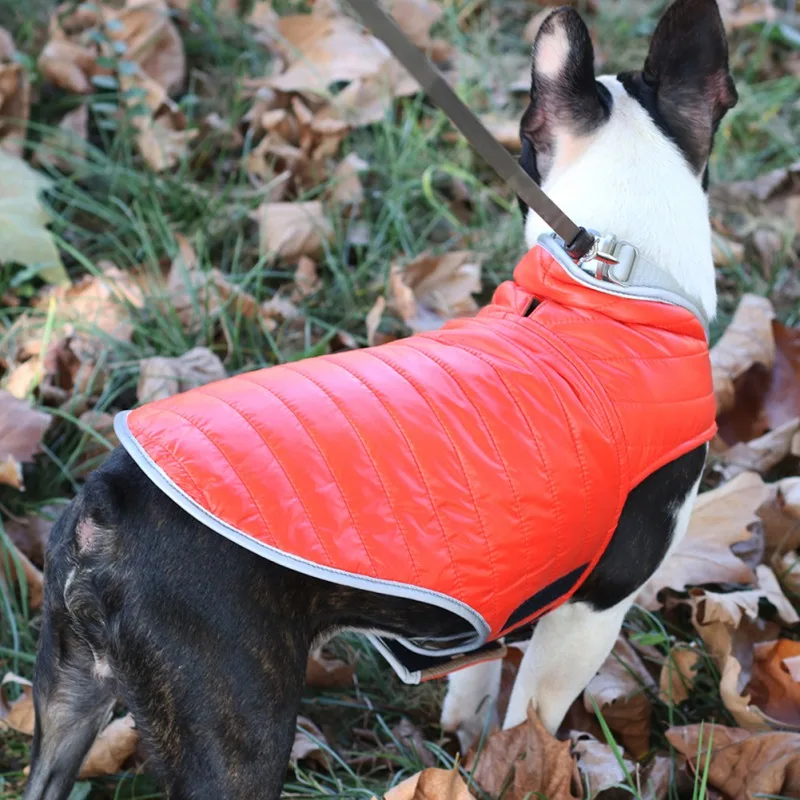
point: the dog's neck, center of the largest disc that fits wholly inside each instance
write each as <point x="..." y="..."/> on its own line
<point x="630" y="180"/>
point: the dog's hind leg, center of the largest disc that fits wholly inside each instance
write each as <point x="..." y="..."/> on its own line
<point x="72" y="698"/>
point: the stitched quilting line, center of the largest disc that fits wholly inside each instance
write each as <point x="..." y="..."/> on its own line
<point x="322" y="455"/>
<point x="296" y="369"/>
<point x="605" y="405"/>
<point x="444" y="428"/>
<point x="488" y="362"/>
<point x="153" y="444"/>
<point x="204" y="391"/>
<point x="447" y="369"/>
<point x="198" y="427"/>
<point x="406" y="438"/>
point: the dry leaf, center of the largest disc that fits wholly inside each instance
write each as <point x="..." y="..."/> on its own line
<point x="15" y="97"/>
<point x="747" y="340"/>
<point x="412" y="740"/>
<point x="678" y="674"/>
<point x="772" y="687"/>
<point x="32" y="577"/>
<point x="24" y="238"/>
<point x="324" y="50"/>
<point x="347" y="188"/>
<point x="291" y="230"/>
<point x="431" y="784"/>
<point x="720" y="519"/>
<point x="732" y="650"/>
<point x="323" y="672"/>
<point x="415" y="18"/>
<point x="731" y="607"/>
<point x="780" y="516"/>
<point x="100" y="302"/>
<point x="540" y="764"/>
<point x="114" y="745"/>
<point x="741" y="13"/>
<point x="725" y="251"/>
<point x="66" y="145"/>
<point x="598" y="763"/>
<point x="761" y="454"/>
<point x="373" y="319"/>
<point x="163" y="377"/>
<point x="620" y="690"/>
<point x="432" y="289"/>
<point x="30" y="533"/>
<point x="21" y="431"/>
<point x="304" y="746"/>
<point x="743" y="765"/>
<point x="17" y="714"/>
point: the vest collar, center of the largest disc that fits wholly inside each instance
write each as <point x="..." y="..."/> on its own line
<point x="634" y="277"/>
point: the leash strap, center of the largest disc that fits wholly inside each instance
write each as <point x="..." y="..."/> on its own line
<point x="578" y="241"/>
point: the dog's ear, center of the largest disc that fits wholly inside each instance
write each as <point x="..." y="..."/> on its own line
<point x="565" y="101"/>
<point x="687" y="68"/>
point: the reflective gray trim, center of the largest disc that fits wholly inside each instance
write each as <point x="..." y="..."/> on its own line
<point x="648" y="281"/>
<point x="410" y="678"/>
<point x="392" y="588"/>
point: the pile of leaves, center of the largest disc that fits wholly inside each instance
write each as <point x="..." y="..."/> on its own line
<point x="190" y="189"/>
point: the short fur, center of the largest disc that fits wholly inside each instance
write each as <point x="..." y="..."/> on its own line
<point x="209" y="652"/>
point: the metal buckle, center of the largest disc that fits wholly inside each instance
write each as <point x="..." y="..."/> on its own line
<point x="610" y="260"/>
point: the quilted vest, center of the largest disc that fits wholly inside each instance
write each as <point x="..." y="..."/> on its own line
<point x="480" y="468"/>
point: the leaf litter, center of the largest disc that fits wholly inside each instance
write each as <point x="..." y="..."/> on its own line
<point x="736" y="575"/>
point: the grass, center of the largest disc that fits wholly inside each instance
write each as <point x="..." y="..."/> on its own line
<point x="112" y="208"/>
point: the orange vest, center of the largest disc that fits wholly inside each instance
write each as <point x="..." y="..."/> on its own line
<point x="481" y="468"/>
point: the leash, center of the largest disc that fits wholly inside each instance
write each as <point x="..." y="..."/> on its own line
<point x="578" y="242"/>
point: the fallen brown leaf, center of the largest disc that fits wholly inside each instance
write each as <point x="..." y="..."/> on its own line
<point x="747" y="340"/>
<point x="743" y="765"/>
<point x="30" y="533"/>
<point x="720" y="518"/>
<point x="66" y="145"/>
<point x="731" y="607"/>
<point x="598" y="764"/>
<point x="741" y="13"/>
<point x="431" y="784"/>
<point x="21" y="571"/>
<point x="21" y="431"/>
<point x="162" y="377"/>
<point x="304" y="745"/>
<point x="114" y="745"/>
<point x="15" y="97"/>
<point x="291" y="230"/>
<point x="725" y="251"/>
<point x="323" y="672"/>
<point x="772" y="687"/>
<point x="678" y="674"/>
<point x="415" y="18"/>
<point x="347" y="188"/>
<point x="621" y="691"/>
<point x="322" y="50"/>
<point x="760" y="454"/>
<point x="411" y="738"/>
<point x="17" y="714"/>
<point x="306" y="279"/>
<point x="373" y="319"/>
<point x="539" y="763"/>
<point x="432" y="289"/>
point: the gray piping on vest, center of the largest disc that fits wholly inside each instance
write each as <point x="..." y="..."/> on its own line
<point x="647" y="281"/>
<point x="392" y="588"/>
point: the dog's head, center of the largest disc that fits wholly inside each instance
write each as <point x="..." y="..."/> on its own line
<point x="619" y="153"/>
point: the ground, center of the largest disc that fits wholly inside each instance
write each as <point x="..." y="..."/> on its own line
<point x="165" y="217"/>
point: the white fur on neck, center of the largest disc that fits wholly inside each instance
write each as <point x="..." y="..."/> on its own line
<point x="630" y="180"/>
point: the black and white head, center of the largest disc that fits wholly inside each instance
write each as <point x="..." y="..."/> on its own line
<point x="628" y="154"/>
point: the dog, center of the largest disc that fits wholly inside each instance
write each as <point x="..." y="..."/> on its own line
<point x="206" y="642"/>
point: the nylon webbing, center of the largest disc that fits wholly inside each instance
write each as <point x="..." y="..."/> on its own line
<point x="578" y="241"/>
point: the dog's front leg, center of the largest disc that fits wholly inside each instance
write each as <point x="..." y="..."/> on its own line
<point x="471" y="701"/>
<point x="568" y="647"/>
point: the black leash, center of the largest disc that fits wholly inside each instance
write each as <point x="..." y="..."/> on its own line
<point x="578" y="241"/>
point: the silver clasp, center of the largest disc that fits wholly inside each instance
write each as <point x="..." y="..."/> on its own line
<point x="610" y="260"/>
